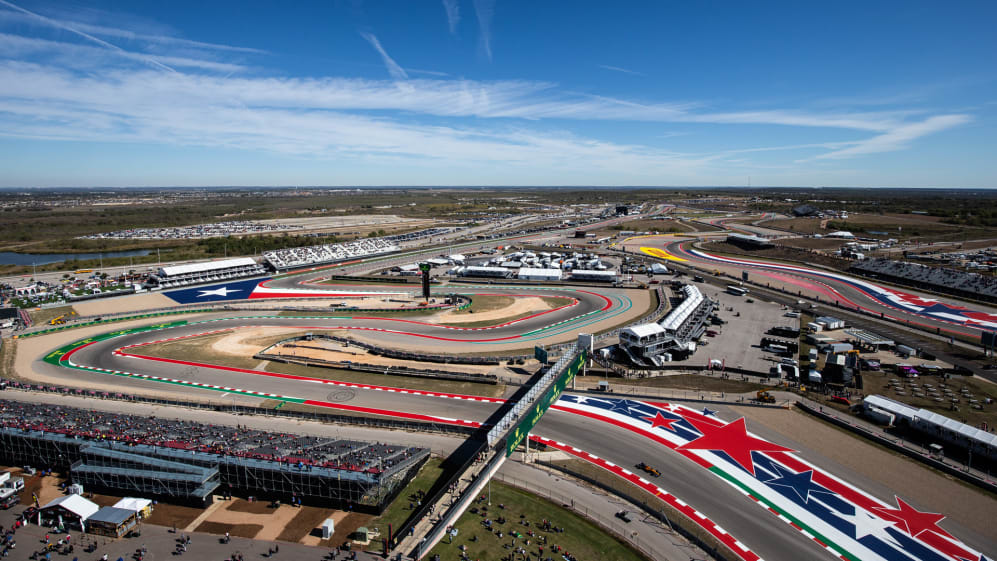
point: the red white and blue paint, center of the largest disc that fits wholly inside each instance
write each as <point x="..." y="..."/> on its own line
<point x="896" y="299"/>
<point x="842" y="519"/>
<point x="252" y="289"/>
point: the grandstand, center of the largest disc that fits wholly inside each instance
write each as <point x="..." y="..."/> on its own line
<point x="950" y="281"/>
<point x="295" y="257"/>
<point x="196" y="273"/>
<point x="748" y="242"/>
<point x="186" y="461"/>
<point x="657" y="343"/>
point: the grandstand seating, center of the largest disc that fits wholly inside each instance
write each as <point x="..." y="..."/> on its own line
<point x="334" y="453"/>
<point x="294" y="257"/>
<point x="939" y="278"/>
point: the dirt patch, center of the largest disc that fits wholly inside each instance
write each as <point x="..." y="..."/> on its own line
<point x="32" y="484"/>
<point x="346" y="527"/>
<point x="255" y="507"/>
<point x="237" y="530"/>
<point x="307" y="519"/>
<point x="516" y="307"/>
<point x="693" y="382"/>
<point x="121" y="304"/>
<point x="173" y="516"/>
<point x="247" y="342"/>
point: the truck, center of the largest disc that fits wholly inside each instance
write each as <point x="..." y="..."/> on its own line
<point x="10" y="489"/>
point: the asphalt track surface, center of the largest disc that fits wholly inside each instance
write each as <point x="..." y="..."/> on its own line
<point x="764" y="534"/>
<point x="910" y="308"/>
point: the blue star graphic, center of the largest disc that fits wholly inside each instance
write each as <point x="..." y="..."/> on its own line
<point x="707" y="412"/>
<point x="801" y="483"/>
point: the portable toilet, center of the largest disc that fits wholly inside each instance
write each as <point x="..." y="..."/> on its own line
<point x="328" y="528"/>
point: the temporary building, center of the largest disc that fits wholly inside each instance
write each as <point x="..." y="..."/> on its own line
<point x="112" y="522"/>
<point x="530" y="273"/>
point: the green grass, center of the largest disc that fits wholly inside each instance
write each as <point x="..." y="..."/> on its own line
<point x="487" y="303"/>
<point x="398" y="511"/>
<point x="584" y="539"/>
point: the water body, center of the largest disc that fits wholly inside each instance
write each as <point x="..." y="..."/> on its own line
<point x="11" y="258"/>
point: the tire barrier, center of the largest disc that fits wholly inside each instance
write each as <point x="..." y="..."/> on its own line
<point x="406" y="355"/>
<point x="374" y="369"/>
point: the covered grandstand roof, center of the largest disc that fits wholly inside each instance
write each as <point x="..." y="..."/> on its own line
<point x="925" y="416"/>
<point x="188" y="268"/>
<point x="645" y="330"/>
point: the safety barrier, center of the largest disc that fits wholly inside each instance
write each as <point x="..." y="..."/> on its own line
<point x="375" y="369"/>
<point x="103" y="321"/>
<point x="418" y="426"/>
<point x="905" y="450"/>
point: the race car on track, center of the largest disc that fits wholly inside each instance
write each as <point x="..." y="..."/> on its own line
<point x="650" y="470"/>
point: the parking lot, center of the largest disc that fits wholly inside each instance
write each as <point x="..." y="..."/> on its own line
<point x="737" y="341"/>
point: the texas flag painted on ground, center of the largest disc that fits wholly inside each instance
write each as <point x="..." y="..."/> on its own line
<point x="252" y="289"/>
<point x="844" y="520"/>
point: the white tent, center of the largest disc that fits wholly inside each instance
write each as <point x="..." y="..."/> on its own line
<point x="76" y="504"/>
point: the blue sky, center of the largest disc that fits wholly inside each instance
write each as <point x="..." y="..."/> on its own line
<point x="497" y="92"/>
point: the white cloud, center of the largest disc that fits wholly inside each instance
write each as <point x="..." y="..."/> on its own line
<point x="66" y="27"/>
<point x="453" y="14"/>
<point x="91" y="90"/>
<point x="618" y="69"/>
<point x="85" y="55"/>
<point x="396" y="71"/>
<point x="899" y="137"/>
<point x="126" y="34"/>
<point x="485" y="9"/>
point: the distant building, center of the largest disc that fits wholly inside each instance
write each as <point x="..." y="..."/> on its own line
<point x="749" y="242"/>
<point x="804" y="210"/>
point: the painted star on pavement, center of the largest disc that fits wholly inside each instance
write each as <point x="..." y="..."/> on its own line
<point x="673" y="407"/>
<point x="659" y="420"/>
<point x="732" y="439"/>
<point x="868" y="524"/>
<point x="709" y="412"/>
<point x="801" y="483"/>
<point x="223" y="291"/>
<point x="911" y="520"/>
<point x="624" y="405"/>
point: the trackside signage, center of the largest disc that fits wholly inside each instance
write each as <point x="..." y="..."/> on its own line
<point x="531" y="418"/>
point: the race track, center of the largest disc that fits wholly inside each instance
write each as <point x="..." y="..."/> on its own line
<point x="753" y="494"/>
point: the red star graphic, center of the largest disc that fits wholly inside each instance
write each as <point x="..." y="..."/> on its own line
<point x="911" y="520"/>
<point x="733" y="439"/>
<point x="659" y="420"/>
